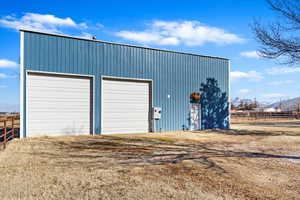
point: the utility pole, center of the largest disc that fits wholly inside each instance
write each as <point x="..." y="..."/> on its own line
<point x="255" y="103"/>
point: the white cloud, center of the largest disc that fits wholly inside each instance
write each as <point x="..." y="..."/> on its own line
<point x="250" y="76"/>
<point x="3" y="75"/>
<point x="40" y="22"/>
<point x="4" y="63"/>
<point x="190" y="33"/>
<point x="250" y="54"/>
<point x="286" y="82"/>
<point x="244" y="91"/>
<point x="85" y="35"/>
<point x="7" y="76"/>
<point x="3" y="86"/>
<point x="98" y="25"/>
<point x="273" y="95"/>
<point x="282" y="70"/>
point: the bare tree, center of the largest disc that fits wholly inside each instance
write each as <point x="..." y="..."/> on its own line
<point x="280" y="38"/>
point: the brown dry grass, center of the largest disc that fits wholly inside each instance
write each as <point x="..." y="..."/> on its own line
<point x="252" y="161"/>
<point x="239" y="120"/>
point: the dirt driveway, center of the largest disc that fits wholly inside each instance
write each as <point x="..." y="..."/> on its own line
<point x="252" y="161"/>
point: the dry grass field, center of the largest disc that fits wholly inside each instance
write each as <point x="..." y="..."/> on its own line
<point x="251" y="161"/>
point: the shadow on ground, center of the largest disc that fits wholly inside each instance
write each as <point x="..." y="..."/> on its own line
<point x="108" y="151"/>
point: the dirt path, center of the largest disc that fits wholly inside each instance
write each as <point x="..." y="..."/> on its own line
<point x="260" y="161"/>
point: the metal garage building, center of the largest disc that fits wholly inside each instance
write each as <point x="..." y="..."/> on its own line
<point x="72" y="86"/>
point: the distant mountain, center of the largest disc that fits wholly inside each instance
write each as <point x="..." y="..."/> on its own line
<point x="264" y="104"/>
<point x="287" y="105"/>
<point x="237" y="101"/>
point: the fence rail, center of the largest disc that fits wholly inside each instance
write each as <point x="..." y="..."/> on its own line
<point x="252" y="116"/>
<point x="9" y="129"/>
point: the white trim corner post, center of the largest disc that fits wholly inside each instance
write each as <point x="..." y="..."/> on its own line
<point x="22" y="95"/>
<point x="229" y="97"/>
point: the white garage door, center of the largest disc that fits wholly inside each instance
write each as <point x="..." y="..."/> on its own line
<point x="58" y="105"/>
<point x="125" y="106"/>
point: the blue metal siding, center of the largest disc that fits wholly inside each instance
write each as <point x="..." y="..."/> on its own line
<point x="174" y="74"/>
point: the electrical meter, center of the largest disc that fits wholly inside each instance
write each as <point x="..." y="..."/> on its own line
<point x="156" y="113"/>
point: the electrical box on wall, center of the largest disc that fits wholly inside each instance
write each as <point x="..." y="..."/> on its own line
<point x="156" y="113"/>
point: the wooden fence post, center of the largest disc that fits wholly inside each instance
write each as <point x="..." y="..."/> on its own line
<point x="12" y="128"/>
<point x="4" y="140"/>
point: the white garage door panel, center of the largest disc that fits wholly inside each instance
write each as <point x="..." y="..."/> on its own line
<point x="125" y="106"/>
<point x="58" y="105"/>
<point x="122" y="114"/>
<point x="112" y="109"/>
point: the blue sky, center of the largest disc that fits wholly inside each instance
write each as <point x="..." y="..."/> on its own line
<point x="217" y="28"/>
